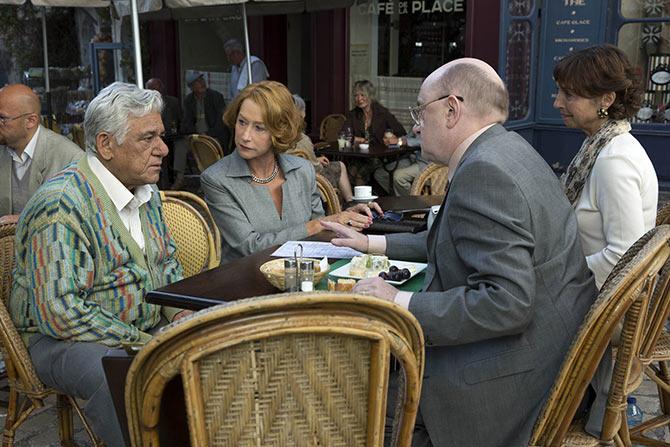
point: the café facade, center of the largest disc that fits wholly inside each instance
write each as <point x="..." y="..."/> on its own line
<point x="319" y="49"/>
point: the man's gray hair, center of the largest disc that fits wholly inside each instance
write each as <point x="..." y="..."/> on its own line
<point x="110" y="109"/>
<point x="299" y="103"/>
<point x="233" y="45"/>
<point x="484" y="93"/>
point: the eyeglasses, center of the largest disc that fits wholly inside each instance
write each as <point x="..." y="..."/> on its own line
<point x="5" y="119"/>
<point x="416" y="112"/>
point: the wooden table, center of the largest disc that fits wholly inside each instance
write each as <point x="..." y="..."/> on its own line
<point x="242" y="277"/>
<point x="386" y="155"/>
<point x="236" y="280"/>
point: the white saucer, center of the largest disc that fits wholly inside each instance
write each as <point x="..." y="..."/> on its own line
<point x="364" y="199"/>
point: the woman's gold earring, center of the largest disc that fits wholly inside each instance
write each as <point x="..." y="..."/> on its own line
<point x="602" y="112"/>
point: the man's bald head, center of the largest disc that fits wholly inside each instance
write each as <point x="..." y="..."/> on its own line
<point x="21" y="98"/>
<point x="484" y="93"/>
<point x="154" y="84"/>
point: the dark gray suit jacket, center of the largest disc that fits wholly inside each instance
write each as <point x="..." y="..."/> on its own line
<point x="506" y="289"/>
<point x="52" y="153"/>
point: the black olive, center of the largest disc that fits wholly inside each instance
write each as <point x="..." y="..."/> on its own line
<point x="383" y="275"/>
<point x="406" y="274"/>
<point x="393" y="268"/>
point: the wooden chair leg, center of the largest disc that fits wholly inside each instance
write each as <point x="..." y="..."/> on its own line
<point x="65" y="422"/>
<point x="89" y="431"/>
<point x="12" y="413"/>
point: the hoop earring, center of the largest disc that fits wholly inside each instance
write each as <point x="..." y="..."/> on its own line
<point x="602" y="112"/>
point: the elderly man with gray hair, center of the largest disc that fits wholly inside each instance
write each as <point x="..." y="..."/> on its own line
<point x="91" y="243"/>
<point x="507" y="285"/>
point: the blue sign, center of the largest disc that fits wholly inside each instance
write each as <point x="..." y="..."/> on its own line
<point x="569" y="25"/>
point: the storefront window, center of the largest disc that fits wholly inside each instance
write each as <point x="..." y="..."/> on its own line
<point x="647" y="45"/>
<point x="397" y="43"/>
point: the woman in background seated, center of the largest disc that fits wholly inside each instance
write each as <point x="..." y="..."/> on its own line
<point x="373" y="123"/>
<point x="258" y="195"/>
<point x="370" y="120"/>
<point x="335" y="172"/>
<point x="611" y="182"/>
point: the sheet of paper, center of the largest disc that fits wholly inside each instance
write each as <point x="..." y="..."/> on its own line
<point x="313" y="249"/>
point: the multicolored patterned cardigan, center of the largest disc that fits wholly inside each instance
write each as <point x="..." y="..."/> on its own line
<point x="79" y="274"/>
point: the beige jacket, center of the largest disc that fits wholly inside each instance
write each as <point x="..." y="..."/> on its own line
<point x="52" y="153"/>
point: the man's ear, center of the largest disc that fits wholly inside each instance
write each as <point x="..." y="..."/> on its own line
<point x="452" y="112"/>
<point x="33" y="120"/>
<point x="103" y="144"/>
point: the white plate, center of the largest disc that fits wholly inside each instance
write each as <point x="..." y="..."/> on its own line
<point x="414" y="267"/>
<point x="364" y="199"/>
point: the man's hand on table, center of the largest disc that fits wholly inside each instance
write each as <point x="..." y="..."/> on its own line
<point x="376" y="287"/>
<point x="346" y="236"/>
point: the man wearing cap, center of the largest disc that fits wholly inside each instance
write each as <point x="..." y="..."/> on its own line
<point x="30" y="153"/>
<point x="239" y="74"/>
<point x="203" y="114"/>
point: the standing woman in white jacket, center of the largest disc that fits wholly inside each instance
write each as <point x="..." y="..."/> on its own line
<point x="611" y="182"/>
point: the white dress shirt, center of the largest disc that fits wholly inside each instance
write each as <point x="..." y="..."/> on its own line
<point x="127" y="204"/>
<point x="22" y="162"/>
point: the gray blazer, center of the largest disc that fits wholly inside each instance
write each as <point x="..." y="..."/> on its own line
<point x="52" y="153"/>
<point x="506" y="289"/>
<point x="245" y="212"/>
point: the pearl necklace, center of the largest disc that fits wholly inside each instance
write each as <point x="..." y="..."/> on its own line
<point x="265" y="180"/>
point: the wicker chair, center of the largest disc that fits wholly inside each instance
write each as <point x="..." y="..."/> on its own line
<point x="196" y="250"/>
<point x="279" y="370"/>
<point x="330" y="127"/>
<point x="201" y="206"/>
<point x="328" y="195"/>
<point x="26" y="391"/>
<point x="78" y="135"/>
<point x="205" y="149"/>
<point x="663" y="215"/>
<point x="626" y="293"/>
<point x="432" y="181"/>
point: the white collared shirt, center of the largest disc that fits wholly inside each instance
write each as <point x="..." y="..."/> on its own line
<point x="22" y="162"/>
<point x="127" y="204"/>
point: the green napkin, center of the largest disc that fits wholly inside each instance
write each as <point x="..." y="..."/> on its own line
<point x="414" y="284"/>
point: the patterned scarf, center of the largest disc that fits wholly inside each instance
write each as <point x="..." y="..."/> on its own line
<point x="580" y="167"/>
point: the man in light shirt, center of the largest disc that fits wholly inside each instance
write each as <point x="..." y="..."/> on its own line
<point x="506" y="286"/>
<point x="30" y="153"/>
<point x="95" y="243"/>
<point x="239" y="74"/>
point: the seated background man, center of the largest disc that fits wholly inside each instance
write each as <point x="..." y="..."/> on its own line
<point x="32" y="153"/>
<point x="507" y="285"/>
<point x="171" y="114"/>
<point x="95" y="243"/>
<point x="203" y="114"/>
<point x="403" y="176"/>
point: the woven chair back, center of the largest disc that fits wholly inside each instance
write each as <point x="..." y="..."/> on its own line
<point x="78" y="135"/>
<point x="282" y="370"/>
<point x="205" y="149"/>
<point x="196" y="249"/>
<point x="625" y="294"/>
<point x="328" y="195"/>
<point x="331" y="126"/>
<point x="432" y="181"/>
<point x="201" y="206"/>
<point x="20" y="370"/>
<point x="663" y="215"/>
<point x="300" y="153"/>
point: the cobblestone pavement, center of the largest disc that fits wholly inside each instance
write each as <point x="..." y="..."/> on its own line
<point x="41" y="430"/>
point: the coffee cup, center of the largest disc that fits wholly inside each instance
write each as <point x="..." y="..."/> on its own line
<point x="364" y="147"/>
<point x="362" y="192"/>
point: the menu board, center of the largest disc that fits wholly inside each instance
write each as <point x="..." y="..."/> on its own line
<point x="569" y="25"/>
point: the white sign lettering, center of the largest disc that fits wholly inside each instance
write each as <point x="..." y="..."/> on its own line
<point x="413" y="6"/>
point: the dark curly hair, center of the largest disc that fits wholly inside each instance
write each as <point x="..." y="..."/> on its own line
<point x="600" y="69"/>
